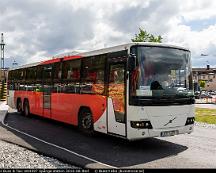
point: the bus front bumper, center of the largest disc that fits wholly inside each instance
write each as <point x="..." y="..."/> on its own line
<point x="136" y="134"/>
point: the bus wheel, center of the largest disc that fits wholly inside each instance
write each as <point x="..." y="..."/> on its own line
<point x="85" y="121"/>
<point x="26" y="110"/>
<point x="19" y="105"/>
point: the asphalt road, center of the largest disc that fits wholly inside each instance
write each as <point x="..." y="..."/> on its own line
<point x="196" y="150"/>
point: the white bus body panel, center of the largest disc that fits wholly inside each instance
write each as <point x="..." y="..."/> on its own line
<point x="101" y="124"/>
<point x="10" y="99"/>
<point x="108" y="119"/>
<point x="159" y="116"/>
<point x="114" y="126"/>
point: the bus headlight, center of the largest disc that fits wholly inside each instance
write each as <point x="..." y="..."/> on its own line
<point x="141" y="124"/>
<point x="190" y="120"/>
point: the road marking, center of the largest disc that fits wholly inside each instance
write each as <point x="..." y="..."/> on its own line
<point x="62" y="148"/>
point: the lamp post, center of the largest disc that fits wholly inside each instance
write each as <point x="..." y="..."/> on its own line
<point x="2" y="45"/>
<point x="208" y="65"/>
<point x="210" y="72"/>
<point x="14" y="64"/>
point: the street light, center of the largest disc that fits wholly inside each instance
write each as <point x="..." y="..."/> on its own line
<point x="208" y="65"/>
<point x="14" y="63"/>
<point x="204" y="54"/>
<point x="2" y="48"/>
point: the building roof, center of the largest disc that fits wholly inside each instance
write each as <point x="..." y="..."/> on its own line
<point x="204" y="70"/>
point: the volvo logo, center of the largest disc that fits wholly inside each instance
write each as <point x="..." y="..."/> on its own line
<point x="170" y="121"/>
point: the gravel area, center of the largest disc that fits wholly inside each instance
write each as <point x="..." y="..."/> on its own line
<point x="13" y="157"/>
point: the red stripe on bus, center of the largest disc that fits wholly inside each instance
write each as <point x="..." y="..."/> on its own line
<point x="50" y="61"/>
<point x="66" y="58"/>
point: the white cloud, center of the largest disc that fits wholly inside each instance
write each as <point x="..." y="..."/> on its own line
<point x="35" y="29"/>
<point x="197" y="9"/>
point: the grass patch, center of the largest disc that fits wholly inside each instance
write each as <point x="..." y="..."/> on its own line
<point x="205" y="115"/>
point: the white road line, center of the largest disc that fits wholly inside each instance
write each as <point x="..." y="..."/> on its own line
<point x="65" y="149"/>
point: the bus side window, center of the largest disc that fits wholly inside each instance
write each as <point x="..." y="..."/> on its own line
<point x="57" y="75"/>
<point x="71" y="76"/>
<point x="93" y="75"/>
<point x="30" y="78"/>
<point x="57" y="72"/>
<point x="38" y="82"/>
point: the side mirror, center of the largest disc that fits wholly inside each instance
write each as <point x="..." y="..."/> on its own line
<point x="131" y="62"/>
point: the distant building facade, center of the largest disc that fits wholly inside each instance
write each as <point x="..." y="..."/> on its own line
<point x="205" y="74"/>
<point x="3" y="74"/>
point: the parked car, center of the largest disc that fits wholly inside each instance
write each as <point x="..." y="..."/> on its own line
<point x="204" y="95"/>
<point x="212" y="93"/>
<point x="197" y="94"/>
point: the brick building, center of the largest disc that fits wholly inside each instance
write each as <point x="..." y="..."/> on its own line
<point x="205" y="74"/>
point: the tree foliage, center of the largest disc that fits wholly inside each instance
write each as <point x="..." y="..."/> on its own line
<point x="202" y="84"/>
<point x="144" y="36"/>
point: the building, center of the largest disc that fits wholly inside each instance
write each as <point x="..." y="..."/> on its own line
<point x="205" y="74"/>
<point x="3" y="74"/>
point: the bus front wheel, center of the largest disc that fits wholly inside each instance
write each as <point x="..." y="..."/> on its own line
<point x="85" y="121"/>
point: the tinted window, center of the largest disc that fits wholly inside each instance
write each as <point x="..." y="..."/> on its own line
<point x="20" y="74"/>
<point x="57" y="71"/>
<point x="93" y="75"/>
<point x="71" y="70"/>
<point x="39" y="73"/>
<point x="70" y="76"/>
<point x="31" y="74"/>
<point x="47" y="72"/>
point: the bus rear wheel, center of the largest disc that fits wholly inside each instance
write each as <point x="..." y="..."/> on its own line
<point x="86" y="121"/>
<point x="26" y="110"/>
<point x="19" y="105"/>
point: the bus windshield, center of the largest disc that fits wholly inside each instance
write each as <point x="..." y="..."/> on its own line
<point x="161" y="72"/>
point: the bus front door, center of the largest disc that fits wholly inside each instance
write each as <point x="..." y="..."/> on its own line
<point x="116" y="99"/>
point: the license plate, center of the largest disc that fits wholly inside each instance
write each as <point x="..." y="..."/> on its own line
<point x="169" y="133"/>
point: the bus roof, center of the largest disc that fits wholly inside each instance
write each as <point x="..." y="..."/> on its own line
<point x="72" y="55"/>
<point x="126" y="46"/>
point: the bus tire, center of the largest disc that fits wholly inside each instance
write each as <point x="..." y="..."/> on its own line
<point x="26" y="109"/>
<point x="85" y="121"/>
<point x="19" y="105"/>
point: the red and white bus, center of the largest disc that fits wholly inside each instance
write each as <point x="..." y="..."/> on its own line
<point x="134" y="91"/>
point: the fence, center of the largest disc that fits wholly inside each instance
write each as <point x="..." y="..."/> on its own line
<point x="206" y="100"/>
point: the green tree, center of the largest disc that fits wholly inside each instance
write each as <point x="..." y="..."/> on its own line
<point x="144" y="36"/>
<point x="202" y="84"/>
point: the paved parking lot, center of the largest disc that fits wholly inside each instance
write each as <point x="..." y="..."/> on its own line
<point x="196" y="150"/>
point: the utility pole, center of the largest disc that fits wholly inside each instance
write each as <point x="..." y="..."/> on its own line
<point x="2" y="44"/>
<point x="14" y="64"/>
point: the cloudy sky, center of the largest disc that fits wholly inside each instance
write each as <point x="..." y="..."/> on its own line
<point x="37" y="29"/>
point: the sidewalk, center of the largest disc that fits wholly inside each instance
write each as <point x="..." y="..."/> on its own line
<point x="3" y="110"/>
<point x="208" y="106"/>
<point x="3" y="105"/>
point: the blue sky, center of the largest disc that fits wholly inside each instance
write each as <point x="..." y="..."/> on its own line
<point x="36" y="29"/>
<point x="199" y="25"/>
